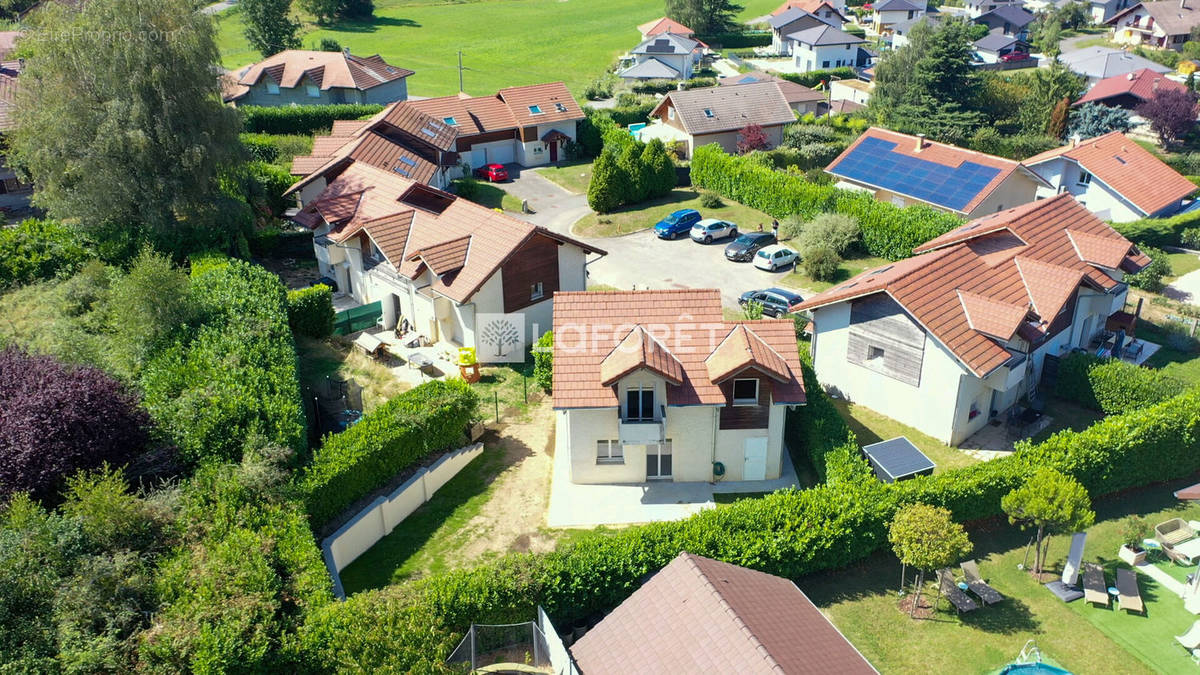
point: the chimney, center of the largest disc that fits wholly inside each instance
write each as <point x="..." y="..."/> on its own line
<point x="1075" y="141"/>
<point x="920" y="142"/>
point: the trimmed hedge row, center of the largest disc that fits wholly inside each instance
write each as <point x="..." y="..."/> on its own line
<point x="430" y="418"/>
<point x="889" y="231"/>
<point x="760" y="38"/>
<point x="310" y="311"/>
<point x="818" y="430"/>
<point x="1112" y="386"/>
<point x="1158" y="232"/>
<point x="234" y="382"/>
<point x="816" y="77"/>
<point x="301" y="119"/>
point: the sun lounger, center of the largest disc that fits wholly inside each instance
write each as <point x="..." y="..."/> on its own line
<point x="961" y="601"/>
<point x="1190" y="639"/>
<point x="978" y="586"/>
<point x="1095" y="589"/>
<point x="1128" y="596"/>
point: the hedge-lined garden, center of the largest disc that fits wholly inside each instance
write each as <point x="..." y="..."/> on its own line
<point x="888" y="231"/>
<point x="301" y="119"/>
<point x="310" y="311"/>
<point x="1112" y="386"/>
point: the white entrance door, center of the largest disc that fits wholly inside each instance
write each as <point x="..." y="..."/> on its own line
<point x="755" y="466"/>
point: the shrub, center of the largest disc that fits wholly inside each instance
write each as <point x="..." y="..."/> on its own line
<point x="756" y="38"/>
<point x="56" y="420"/>
<point x="1159" y="231"/>
<point x="659" y="167"/>
<point x="835" y="231"/>
<point x="599" y="88"/>
<point x="37" y="250"/>
<point x="812" y="79"/>
<point x="1191" y="237"/>
<point x="260" y="147"/>
<point x="709" y="200"/>
<point x="1112" y="386"/>
<point x="428" y="419"/>
<point x="606" y="188"/>
<point x="543" y="361"/>
<point x="820" y="262"/>
<point x="466" y="187"/>
<point x="646" y="87"/>
<point x="700" y="83"/>
<point x="301" y="119"/>
<point x="791" y="227"/>
<point x="1150" y="278"/>
<point x="310" y="311"/>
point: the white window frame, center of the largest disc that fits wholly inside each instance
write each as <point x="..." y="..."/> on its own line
<point x="670" y="112"/>
<point x="537" y="291"/>
<point x="743" y="400"/>
<point x="312" y="90"/>
<point x="1085" y="177"/>
<point x="609" y="451"/>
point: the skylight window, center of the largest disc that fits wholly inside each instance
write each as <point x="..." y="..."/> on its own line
<point x="709" y="113"/>
<point x="535" y="110"/>
<point x="408" y="161"/>
<point x="451" y="121"/>
<point x="560" y="107"/>
<point x="402" y="171"/>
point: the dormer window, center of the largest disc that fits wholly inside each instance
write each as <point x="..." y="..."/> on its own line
<point x="535" y="110"/>
<point x="272" y="88"/>
<point x="451" y="121"/>
<point x="745" y="392"/>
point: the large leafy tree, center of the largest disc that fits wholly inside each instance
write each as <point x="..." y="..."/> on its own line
<point x="119" y="119"/>
<point x="1172" y="114"/>
<point x="1049" y="502"/>
<point x="704" y="16"/>
<point x="1044" y="89"/>
<point x="1094" y="119"/>
<point x="269" y="25"/>
<point x="927" y="538"/>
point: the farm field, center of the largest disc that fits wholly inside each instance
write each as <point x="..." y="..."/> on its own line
<point x="505" y="43"/>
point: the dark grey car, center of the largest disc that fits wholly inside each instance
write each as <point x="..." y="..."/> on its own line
<point x="745" y="246"/>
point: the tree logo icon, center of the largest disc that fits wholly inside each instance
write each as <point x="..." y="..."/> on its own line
<point x="501" y="338"/>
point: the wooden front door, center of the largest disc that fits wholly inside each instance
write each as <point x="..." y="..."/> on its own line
<point x="553" y="151"/>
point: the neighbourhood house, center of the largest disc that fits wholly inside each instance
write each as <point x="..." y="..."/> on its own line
<point x="951" y="338"/>
<point x="302" y="77"/>
<point x="1130" y="90"/>
<point x="812" y="7"/>
<point x="904" y="170"/>
<point x="1098" y="63"/>
<point x="901" y="29"/>
<point x="399" y="138"/>
<point x="664" y="56"/>
<point x="664" y="25"/>
<point x="719" y="114"/>
<point x="1009" y="20"/>
<point x="991" y="47"/>
<point x="699" y="615"/>
<point x="887" y="13"/>
<point x="1165" y="24"/>
<point x="857" y="91"/>
<point x="977" y="8"/>
<point x="656" y="385"/>
<point x="800" y="98"/>
<point x="528" y="125"/>
<point x="825" y="47"/>
<point x="793" y="21"/>
<point x="1103" y="10"/>
<point x="1112" y="176"/>
<point x="436" y="261"/>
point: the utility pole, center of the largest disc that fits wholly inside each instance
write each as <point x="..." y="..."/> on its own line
<point x="460" y="72"/>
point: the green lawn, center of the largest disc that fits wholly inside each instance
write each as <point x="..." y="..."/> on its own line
<point x="506" y="389"/>
<point x="862" y="602"/>
<point x="872" y="427"/>
<point x="495" y="198"/>
<point x="849" y="268"/>
<point x="1181" y="264"/>
<point x="642" y="216"/>
<point x="573" y="176"/>
<point x="504" y="42"/>
<point x="1180" y="363"/>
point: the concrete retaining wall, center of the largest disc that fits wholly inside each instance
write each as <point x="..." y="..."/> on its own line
<point x="381" y="516"/>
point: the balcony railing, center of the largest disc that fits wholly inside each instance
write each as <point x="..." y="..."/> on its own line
<point x="639" y="431"/>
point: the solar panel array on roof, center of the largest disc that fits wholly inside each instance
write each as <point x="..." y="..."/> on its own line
<point x="897" y="458"/>
<point x="661" y="46"/>
<point x="874" y="162"/>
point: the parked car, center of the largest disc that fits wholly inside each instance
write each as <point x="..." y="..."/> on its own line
<point x="744" y="247"/>
<point x="677" y="223"/>
<point x="775" y="257"/>
<point x="1014" y="56"/>
<point x="492" y="173"/>
<point x="711" y="228"/>
<point x="775" y="301"/>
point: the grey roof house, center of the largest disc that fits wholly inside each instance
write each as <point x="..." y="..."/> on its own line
<point x="663" y="56"/>
<point x="1097" y="63"/>
<point x="1008" y="19"/>
<point x="791" y="21"/>
<point x="303" y="77"/>
<point x="825" y="47"/>
<point x="991" y="47"/>
<point x="718" y="114"/>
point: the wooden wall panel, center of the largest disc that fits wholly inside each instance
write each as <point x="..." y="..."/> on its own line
<point x="536" y="260"/>
<point x="878" y="322"/>
<point x="746" y="416"/>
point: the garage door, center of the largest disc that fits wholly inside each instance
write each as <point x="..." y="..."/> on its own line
<point x="501" y="153"/>
<point x="478" y="157"/>
<point x="755" y="467"/>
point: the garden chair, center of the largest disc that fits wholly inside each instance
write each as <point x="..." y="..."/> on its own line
<point x="1128" y="596"/>
<point x="1191" y="639"/>
<point x="978" y="586"/>
<point x="961" y="601"/>
<point x="1095" y="589"/>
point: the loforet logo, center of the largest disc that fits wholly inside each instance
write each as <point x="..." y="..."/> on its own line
<point x="501" y="338"/>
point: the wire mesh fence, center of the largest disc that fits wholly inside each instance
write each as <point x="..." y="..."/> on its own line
<point x="504" y="648"/>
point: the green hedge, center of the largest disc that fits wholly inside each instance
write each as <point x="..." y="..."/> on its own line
<point x="816" y="77"/>
<point x="433" y="417"/>
<point x="260" y="147"/>
<point x="543" y="361"/>
<point x="889" y="231"/>
<point x="234" y="381"/>
<point x="37" y="250"/>
<point x="310" y="311"/>
<point x="1158" y="231"/>
<point x="818" y="431"/>
<point x="301" y="119"/>
<point x="1112" y="386"/>
<point x="756" y="38"/>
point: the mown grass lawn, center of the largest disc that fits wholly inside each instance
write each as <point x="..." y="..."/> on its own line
<point x="1181" y="264"/>
<point x="572" y="177"/>
<point x="494" y="198"/>
<point x="849" y="268"/>
<point x="871" y="427"/>
<point x="637" y="217"/>
<point x="862" y="602"/>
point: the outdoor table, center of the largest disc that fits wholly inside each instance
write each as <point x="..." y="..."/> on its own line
<point x="1190" y="548"/>
<point x="963" y="585"/>
<point x="1112" y="590"/>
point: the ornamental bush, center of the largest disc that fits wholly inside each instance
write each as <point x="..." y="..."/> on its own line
<point x="428" y="419"/>
<point x="301" y="119"/>
<point x="543" y="361"/>
<point x="1112" y="386"/>
<point x="56" y="420"/>
<point x="310" y="311"/>
<point x="836" y="231"/>
<point x="820" y="262"/>
<point x="37" y="250"/>
<point x="1151" y="276"/>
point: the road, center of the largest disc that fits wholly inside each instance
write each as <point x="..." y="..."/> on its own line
<point x="640" y="260"/>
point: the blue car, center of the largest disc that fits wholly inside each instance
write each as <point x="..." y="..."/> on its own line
<point x="677" y="223"/>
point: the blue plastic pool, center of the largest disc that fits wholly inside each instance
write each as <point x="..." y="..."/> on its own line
<point x="1034" y="669"/>
<point x="635" y="128"/>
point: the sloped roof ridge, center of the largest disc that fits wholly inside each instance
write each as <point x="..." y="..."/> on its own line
<point x="732" y="613"/>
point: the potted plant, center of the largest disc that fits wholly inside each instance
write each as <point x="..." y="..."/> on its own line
<point x="1133" y="531"/>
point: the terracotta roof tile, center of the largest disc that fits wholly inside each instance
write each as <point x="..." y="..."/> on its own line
<point x="325" y="69"/>
<point x="390" y="233"/>
<point x="552" y="99"/>
<point x="990" y="317"/>
<point x="698" y="615"/>
<point x="687" y="323"/>
<point x="347" y="127"/>
<point x="810" y="6"/>
<point x="409" y="118"/>
<point x="1100" y="250"/>
<point x="1141" y="84"/>
<point x="640" y="350"/>
<point x="1126" y="167"/>
<point x="444" y="257"/>
<point x="1022" y="257"/>
<point x="664" y="25"/>
<point x="472" y="115"/>
<point x="742" y="349"/>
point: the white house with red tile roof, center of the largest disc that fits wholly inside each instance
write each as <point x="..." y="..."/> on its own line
<point x="954" y="336"/>
<point x="304" y="77"/>
<point x="657" y="385"/>
<point x="434" y="260"/>
<point x="1129" y="90"/>
<point x="662" y="25"/>
<point x="904" y="170"/>
<point x="1112" y="176"/>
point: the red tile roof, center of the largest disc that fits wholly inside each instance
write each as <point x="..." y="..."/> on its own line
<point x="9" y="72"/>
<point x="508" y="109"/>
<point x="326" y="70"/>
<point x="445" y="257"/>
<point x="638" y="350"/>
<point x="368" y="198"/>
<point x="810" y="6"/>
<point x="1141" y="84"/>
<point x="1019" y="258"/>
<point x="699" y="615"/>
<point x="1126" y="167"/>
<point x="665" y="25"/>
<point x="688" y="324"/>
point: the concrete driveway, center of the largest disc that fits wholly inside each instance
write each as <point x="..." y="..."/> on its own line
<point x="640" y="260"/>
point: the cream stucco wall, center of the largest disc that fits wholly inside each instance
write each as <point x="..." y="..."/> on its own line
<point x="1098" y="197"/>
<point x="1017" y="190"/>
<point x="809" y="58"/>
